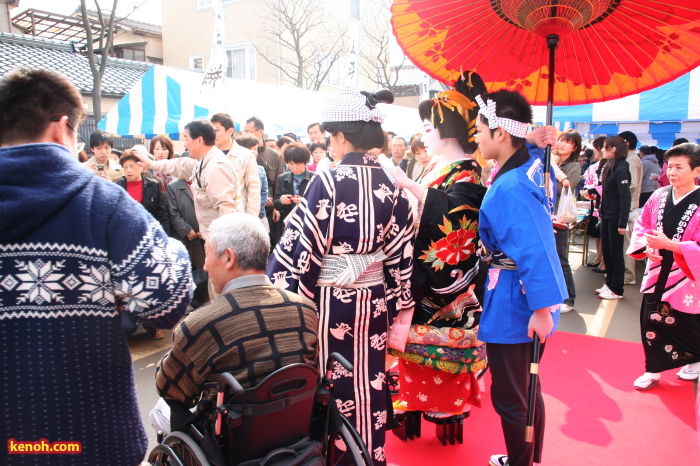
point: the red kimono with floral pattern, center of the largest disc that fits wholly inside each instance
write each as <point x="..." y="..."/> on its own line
<point x="442" y="355"/>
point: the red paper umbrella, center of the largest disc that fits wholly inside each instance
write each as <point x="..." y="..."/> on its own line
<point x="607" y="49"/>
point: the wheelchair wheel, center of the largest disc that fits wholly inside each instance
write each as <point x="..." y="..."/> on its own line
<point x="178" y="449"/>
<point x="346" y="447"/>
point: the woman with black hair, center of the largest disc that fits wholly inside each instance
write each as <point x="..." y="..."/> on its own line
<point x="349" y="247"/>
<point x="667" y="235"/>
<point x="292" y="184"/>
<point x="614" y="210"/>
<point x="592" y="184"/>
<point x="319" y="152"/>
<point x="440" y="354"/>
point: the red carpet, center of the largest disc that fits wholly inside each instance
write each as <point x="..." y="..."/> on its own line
<point x="594" y="414"/>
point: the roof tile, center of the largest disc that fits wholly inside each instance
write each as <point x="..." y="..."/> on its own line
<point x="27" y="51"/>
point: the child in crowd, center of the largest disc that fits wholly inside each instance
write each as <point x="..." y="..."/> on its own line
<point x="146" y="192"/>
<point x="292" y="184"/>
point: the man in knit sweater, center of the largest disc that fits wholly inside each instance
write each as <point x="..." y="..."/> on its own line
<point x="250" y="331"/>
<point x="75" y="252"/>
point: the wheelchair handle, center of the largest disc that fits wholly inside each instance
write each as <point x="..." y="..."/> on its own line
<point x="341" y="360"/>
<point x="225" y="380"/>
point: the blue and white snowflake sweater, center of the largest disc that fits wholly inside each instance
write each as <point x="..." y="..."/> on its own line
<point x="75" y="251"/>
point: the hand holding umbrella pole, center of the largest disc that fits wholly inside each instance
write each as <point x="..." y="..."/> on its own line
<point x="552" y="42"/>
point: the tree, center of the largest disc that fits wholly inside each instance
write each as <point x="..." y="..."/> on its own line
<point x="100" y="45"/>
<point x="375" y="57"/>
<point x="300" y="39"/>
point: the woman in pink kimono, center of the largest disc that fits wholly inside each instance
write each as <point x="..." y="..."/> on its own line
<point x="668" y="232"/>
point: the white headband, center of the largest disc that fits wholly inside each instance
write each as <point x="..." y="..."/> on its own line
<point x="512" y="127"/>
<point x="350" y="105"/>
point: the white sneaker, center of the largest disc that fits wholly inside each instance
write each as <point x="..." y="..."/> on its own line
<point x="498" y="460"/>
<point x="602" y="288"/>
<point x="689" y="372"/>
<point x="647" y="381"/>
<point x="564" y="308"/>
<point x="608" y="294"/>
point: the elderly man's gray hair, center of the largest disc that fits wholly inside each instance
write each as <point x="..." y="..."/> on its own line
<point x="245" y="236"/>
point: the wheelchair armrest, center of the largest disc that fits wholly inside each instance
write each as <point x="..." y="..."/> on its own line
<point x="227" y="379"/>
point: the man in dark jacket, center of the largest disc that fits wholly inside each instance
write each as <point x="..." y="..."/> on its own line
<point x="75" y="252"/>
<point x="184" y="226"/>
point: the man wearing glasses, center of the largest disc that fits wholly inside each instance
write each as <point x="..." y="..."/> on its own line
<point x="75" y="253"/>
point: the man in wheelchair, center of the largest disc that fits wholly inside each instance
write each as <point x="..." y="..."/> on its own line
<point x="259" y="337"/>
<point x="251" y="330"/>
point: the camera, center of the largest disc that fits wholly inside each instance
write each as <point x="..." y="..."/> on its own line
<point x="100" y="167"/>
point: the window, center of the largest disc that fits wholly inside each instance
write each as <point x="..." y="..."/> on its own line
<point x="241" y="62"/>
<point x="133" y="54"/>
<point x="197" y="62"/>
<point x="355" y="9"/>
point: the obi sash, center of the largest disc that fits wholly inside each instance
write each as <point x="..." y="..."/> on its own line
<point x="501" y="261"/>
<point x="352" y="270"/>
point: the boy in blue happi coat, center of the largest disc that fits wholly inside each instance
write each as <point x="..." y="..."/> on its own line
<point x="525" y="284"/>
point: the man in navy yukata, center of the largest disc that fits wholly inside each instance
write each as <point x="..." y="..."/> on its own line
<point x="525" y="283"/>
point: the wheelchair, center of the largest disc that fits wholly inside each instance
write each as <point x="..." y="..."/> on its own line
<point x="289" y="416"/>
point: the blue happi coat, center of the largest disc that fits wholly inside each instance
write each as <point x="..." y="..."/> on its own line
<point x="515" y="227"/>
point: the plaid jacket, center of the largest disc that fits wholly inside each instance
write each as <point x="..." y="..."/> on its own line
<point x="249" y="332"/>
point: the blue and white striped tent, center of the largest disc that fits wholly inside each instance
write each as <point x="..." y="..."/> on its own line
<point x="167" y="99"/>
<point x="657" y="116"/>
<point x="158" y="104"/>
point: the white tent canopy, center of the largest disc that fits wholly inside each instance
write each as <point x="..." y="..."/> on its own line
<point x="166" y="99"/>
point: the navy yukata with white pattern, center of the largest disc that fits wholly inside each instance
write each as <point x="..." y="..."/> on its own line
<point x="352" y="209"/>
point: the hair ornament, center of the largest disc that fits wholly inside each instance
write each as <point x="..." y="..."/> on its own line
<point x="453" y="101"/>
<point x="351" y="104"/>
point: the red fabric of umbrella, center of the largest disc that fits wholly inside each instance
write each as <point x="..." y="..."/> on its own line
<point x="607" y="48"/>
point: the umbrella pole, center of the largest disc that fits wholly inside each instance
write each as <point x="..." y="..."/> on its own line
<point x="534" y="370"/>
<point x="552" y="42"/>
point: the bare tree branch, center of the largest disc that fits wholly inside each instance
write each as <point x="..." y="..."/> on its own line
<point x="300" y="39"/>
<point x="100" y="45"/>
<point x="376" y="63"/>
